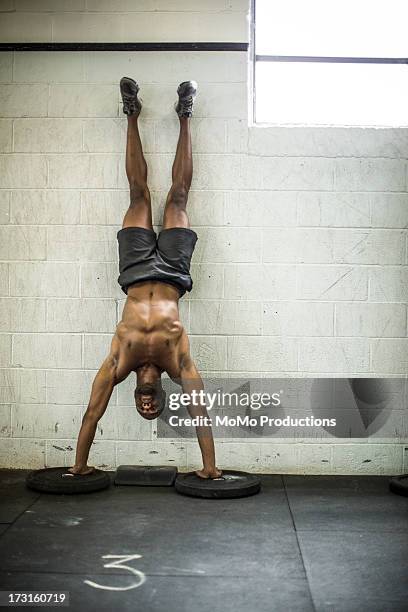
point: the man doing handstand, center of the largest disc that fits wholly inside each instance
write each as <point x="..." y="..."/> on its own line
<point x="154" y="273"/>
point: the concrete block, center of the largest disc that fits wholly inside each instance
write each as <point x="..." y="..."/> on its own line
<point x="200" y="26"/>
<point x="82" y="243"/>
<point x="303" y="173"/>
<point x="256" y="354"/>
<point x="221" y="245"/>
<point x="277" y="458"/>
<point x="79" y="27"/>
<point x="5" y="350"/>
<point x="6" y="67"/>
<point x="389" y="210"/>
<point x="15" y="27"/>
<point x="71" y="387"/>
<point x="349" y="355"/>
<point x="223" y="68"/>
<point x="225" y="317"/>
<point x="368" y="459"/>
<point x="4" y="278"/>
<point x="237" y="136"/>
<point x="41" y="279"/>
<point x="62" y="453"/>
<point x="297" y="319"/>
<point x="390" y="356"/>
<point x="126" y="391"/>
<point x="22" y="100"/>
<point x="104" y="207"/>
<point x="6" y="135"/>
<point x="369" y="246"/>
<point x="297" y="245"/>
<point x="216" y="171"/>
<point x="83" y="171"/>
<point x="47" y="350"/>
<point x="369" y="174"/>
<point x="151" y="453"/>
<point x="20" y="453"/>
<point x="22" y="315"/>
<point x="334" y="209"/>
<point x="329" y="283"/>
<point x="22" y="242"/>
<point x="314" y="459"/>
<point x="22" y="386"/>
<point x="261" y="208"/>
<point x="45" y="207"/>
<point x="323" y="142"/>
<point x="123" y="423"/>
<point x="81" y="315"/>
<point x="45" y="421"/>
<point x="100" y="280"/>
<point x="5" y="420"/>
<point x="47" y="67"/>
<point x="209" y="352"/>
<point x="47" y="135"/>
<point x="20" y="171"/>
<point x="129" y="6"/>
<point x="96" y="349"/>
<point x="50" y="5"/>
<point x="371" y="320"/>
<point x="5" y="197"/>
<point x="389" y="284"/>
<point x="208" y="280"/>
<point x="79" y="100"/>
<point x="254" y="282"/>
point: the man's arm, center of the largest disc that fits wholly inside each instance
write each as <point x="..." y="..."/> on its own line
<point x="101" y="392"/>
<point x="192" y="381"/>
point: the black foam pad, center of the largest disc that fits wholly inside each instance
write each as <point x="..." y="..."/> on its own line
<point x="146" y="475"/>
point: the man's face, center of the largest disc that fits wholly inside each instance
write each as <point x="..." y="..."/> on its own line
<point x="147" y="400"/>
<point x="147" y="405"/>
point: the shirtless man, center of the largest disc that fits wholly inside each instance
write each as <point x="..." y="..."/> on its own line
<point x="154" y="273"/>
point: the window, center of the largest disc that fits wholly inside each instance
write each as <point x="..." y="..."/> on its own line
<point x="330" y="62"/>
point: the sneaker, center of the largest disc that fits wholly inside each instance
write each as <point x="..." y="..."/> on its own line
<point x="186" y="92"/>
<point x="129" y="90"/>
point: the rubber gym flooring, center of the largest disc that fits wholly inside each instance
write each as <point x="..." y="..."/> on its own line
<point x="304" y="543"/>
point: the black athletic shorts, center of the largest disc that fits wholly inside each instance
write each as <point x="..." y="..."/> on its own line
<point x="143" y="256"/>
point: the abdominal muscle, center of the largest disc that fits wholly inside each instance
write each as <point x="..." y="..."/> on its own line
<point x="150" y="329"/>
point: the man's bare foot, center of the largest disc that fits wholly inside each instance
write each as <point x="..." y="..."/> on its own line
<point x="209" y="473"/>
<point x="82" y="471"/>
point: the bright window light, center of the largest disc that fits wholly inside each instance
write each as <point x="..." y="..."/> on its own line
<point x="359" y="92"/>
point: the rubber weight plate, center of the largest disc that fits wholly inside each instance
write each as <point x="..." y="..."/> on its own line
<point x="231" y="484"/>
<point x="399" y="485"/>
<point x="59" y="480"/>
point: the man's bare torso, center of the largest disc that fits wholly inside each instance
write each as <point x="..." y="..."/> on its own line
<point x="150" y="331"/>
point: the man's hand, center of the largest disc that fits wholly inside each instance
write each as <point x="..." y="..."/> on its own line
<point x="81" y="470"/>
<point x="209" y="473"/>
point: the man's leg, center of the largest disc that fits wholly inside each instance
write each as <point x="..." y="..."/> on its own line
<point x="175" y="214"/>
<point x="139" y="213"/>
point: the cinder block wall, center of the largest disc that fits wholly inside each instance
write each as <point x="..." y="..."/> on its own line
<point x="301" y="265"/>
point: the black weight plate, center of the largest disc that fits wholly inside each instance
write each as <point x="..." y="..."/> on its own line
<point x="57" y="480"/>
<point x="231" y="484"/>
<point x="399" y="485"/>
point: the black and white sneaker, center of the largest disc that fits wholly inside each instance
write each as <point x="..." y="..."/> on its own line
<point x="129" y="90"/>
<point x="186" y="92"/>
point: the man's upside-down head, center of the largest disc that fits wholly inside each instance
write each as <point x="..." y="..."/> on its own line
<point x="150" y="399"/>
